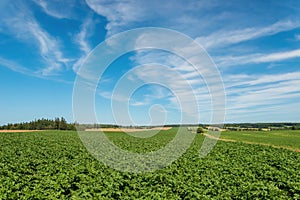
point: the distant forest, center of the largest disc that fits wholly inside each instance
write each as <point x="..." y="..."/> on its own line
<point x="62" y="124"/>
<point x="41" y="124"/>
<point x="274" y="125"/>
<point x="282" y="125"/>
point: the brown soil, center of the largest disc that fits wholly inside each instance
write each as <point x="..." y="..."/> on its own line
<point x="222" y="139"/>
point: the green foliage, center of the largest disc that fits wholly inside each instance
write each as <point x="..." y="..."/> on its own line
<point x="55" y="165"/>
<point x="41" y="124"/>
<point x="282" y="138"/>
<point x="200" y="130"/>
<point x="286" y="125"/>
<point x="63" y="125"/>
<point x="295" y="128"/>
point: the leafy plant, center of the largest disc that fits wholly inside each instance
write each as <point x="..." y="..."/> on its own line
<point x="55" y="165"/>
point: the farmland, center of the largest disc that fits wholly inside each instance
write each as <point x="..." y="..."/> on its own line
<point x="55" y="165"/>
<point x="284" y="138"/>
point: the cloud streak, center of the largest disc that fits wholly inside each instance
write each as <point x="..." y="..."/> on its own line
<point x="14" y="66"/>
<point x="226" y="32"/>
<point x="261" y="94"/>
<point x="22" y="25"/>
<point x="55" y="8"/>
<point x="225" y="61"/>
<point x="82" y="41"/>
<point x="226" y="38"/>
<point x="86" y="30"/>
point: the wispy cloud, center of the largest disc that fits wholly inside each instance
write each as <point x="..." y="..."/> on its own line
<point x="86" y="30"/>
<point x="183" y="91"/>
<point x="14" y="66"/>
<point x="49" y="47"/>
<point x="202" y="19"/>
<point x="225" y="38"/>
<point x="155" y="93"/>
<point x="17" y="67"/>
<point x="114" y="96"/>
<point x="191" y="17"/>
<point x="118" y="13"/>
<point x="22" y="25"/>
<point x="245" y="92"/>
<point x="56" y="8"/>
<point x="279" y="56"/>
<point x="261" y="93"/>
<point x="82" y="40"/>
<point x="224" y="61"/>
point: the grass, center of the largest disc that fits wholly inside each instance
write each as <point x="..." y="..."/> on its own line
<point x="289" y="139"/>
<point x="55" y="165"/>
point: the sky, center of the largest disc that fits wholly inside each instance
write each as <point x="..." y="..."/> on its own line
<point x="255" y="45"/>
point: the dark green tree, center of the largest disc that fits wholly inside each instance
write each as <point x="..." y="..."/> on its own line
<point x="200" y="130"/>
<point x="63" y="124"/>
<point x="56" y="123"/>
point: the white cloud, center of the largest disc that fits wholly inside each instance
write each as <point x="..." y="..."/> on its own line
<point x="155" y="92"/>
<point x="120" y="19"/>
<point x="175" y="82"/>
<point x="188" y="16"/>
<point x="225" y="61"/>
<point x="56" y="8"/>
<point x="14" y="66"/>
<point x="49" y="48"/>
<point x="118" y="13"/>
<point x="114" y="96"/>
<point x="261" y="94"/>
<point x="263" y="79"/>
<point x="86" y="30"/>
<point x="183" y="79"/>
<point x="82" y="40"/>
<point x="266" y="113"/>
<point x="17" y="67"/>
<point x="226" y="38"/>
<point x="215" y="31"/>
<point x="139" y="103"/>
<point x="78" y="63"/>
<point x="278" y="56"/>
<point x="199" y="19"/>
<point x="20" y="23"/>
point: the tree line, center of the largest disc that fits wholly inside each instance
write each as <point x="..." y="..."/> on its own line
<point x="41" y="124"/>
<point x="272" y="126"/>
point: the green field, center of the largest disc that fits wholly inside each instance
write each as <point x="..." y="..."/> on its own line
<point x="289" y="139"/>
<point x="55" y="165"/>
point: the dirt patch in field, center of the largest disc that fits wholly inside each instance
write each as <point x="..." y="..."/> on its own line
<point x="127" y="129"/>
<point x="216" y="138"/>
<point x="18" y="131"/>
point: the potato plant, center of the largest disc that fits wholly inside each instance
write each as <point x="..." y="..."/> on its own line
<point x="55" y="165"/>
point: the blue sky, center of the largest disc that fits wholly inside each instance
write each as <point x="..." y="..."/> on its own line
<point x="254" y="44"/>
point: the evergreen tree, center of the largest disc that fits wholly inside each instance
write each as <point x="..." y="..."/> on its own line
<point x="56" y="123"/>
<point x="63" y="124"/>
